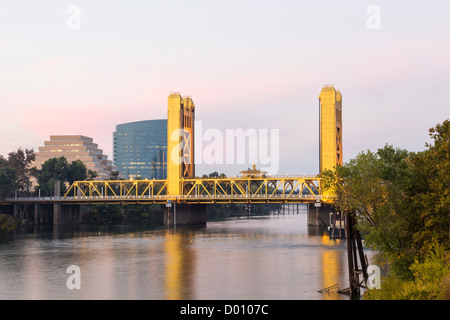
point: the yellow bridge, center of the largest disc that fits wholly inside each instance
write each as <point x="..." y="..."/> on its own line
<point x="220" y="190"/>
<point x="181" y="185"/>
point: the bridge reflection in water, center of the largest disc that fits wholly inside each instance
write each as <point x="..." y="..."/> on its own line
<point x="247" y="262"/>
<point x="266" y="257"/>
<point x="180" y="265"/>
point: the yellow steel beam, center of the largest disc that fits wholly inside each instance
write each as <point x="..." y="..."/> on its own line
<point x="252" y="189"/>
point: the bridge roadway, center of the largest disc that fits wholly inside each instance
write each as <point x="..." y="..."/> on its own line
<point x="162" y="199"/>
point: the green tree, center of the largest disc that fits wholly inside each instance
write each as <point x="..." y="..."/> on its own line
<point x="8" y="182"/>
<point x="431" y="189"/>
<point x="21" y="160"/>
<point x="76" y="171"/>
<point x="3" y="162"/>
<point x="214" y="174"/>
<point x="57" y="169"/>
<point x="401" y="202"/>
<point x="430" y="280"/>
<point x="91" y="175"/>
<point x="8" y="222"/>
<point x="52" y="170"/>
<point x="373" y="187"/>
<point x="114" y="175"/>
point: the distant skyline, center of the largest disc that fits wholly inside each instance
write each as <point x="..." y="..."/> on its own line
<point x="83" y="67"/>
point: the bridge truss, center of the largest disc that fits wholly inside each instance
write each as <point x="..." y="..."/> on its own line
<point x="202" y="190"/>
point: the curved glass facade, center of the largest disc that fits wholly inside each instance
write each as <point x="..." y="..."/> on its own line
<point x="140" y="149"/>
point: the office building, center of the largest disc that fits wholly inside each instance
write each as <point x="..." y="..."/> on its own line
<point x="76" y="147"/>
<point x="140" y="149"/>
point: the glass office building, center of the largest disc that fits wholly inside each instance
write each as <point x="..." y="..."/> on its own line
<point x="140" y="149"/>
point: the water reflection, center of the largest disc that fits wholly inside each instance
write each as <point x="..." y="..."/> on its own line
<point x="270" y="257"/>
<point x="180" y="265"/>
<point x="333" y="264"/>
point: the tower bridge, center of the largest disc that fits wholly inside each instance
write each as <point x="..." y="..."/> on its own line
<point x="185" y="195"/>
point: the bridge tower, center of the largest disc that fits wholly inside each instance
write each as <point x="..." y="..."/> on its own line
<point x="330" y="136"/>
<point x="180" y="161"/>
<point x="330" y="147"/>
<point x="180" y="141"/>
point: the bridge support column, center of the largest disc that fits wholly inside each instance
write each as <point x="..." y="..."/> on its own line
<point x="73" y="213"/>
<point x="69" y="214"/>
<point x="56" y="213"/>
<point x="319" y="216"/>
<point x="37" y="213"/>
<point x="16" y="210"/>
<point x="185" y="214"/>
<point x="20" y="211"/>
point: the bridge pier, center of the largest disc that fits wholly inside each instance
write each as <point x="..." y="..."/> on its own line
<point x="37" y="213"/>
<point x="43" y="213"/>
<point x="69" y="213"/>
<point x="23" y="211"/>
<point x="48" y="213"/>
<point x="184" y="214"/>
<point x="56" y="213"/>
<point x="16" y="211"/>
<point x="319" y="214"/>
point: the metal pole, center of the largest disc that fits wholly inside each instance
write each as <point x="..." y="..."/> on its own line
<point x="175" y="213"/>
<point x="168" y="215"/>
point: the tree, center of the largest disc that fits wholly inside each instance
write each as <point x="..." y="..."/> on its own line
<point x="57" y="169"/>
<point x="431" y="189"/>
<point x="54" y="169"/>
<point x="114" y="175"/>
<point x="214" y="174"/>
<point x="76" y="171"/>
<point x="21" y="161"/>
<point x="374" y="187"/>
<point x="8" y="181"/>
<point x="91" y="175"/>
<point x="401" y="201"/>
<point x="3" y="162"/>
<point x="358" y="186"/>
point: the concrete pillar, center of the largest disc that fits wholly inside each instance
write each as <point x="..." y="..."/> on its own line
<point x="57" y="189"/>
<point x="37" y="213"/>
<point x="16" y="210"/>
<point x="56" y="213"/>
<point x="185" y="214"/>
<point x="319" y="215"/>
<point x="74" y="213"/>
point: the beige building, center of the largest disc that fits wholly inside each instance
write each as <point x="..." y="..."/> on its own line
<point x="76" y="147"/>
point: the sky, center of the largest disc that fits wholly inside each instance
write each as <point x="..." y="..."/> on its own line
<point x="85" y="66"/>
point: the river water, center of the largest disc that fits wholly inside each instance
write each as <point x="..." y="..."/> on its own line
<point x="260" y="257"/>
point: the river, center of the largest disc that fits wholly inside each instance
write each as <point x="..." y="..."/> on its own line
<point x="259" y="257"/>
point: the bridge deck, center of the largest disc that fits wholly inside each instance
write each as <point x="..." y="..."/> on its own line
<point x="165" y="198"/>
<point x="293" y="189"/>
